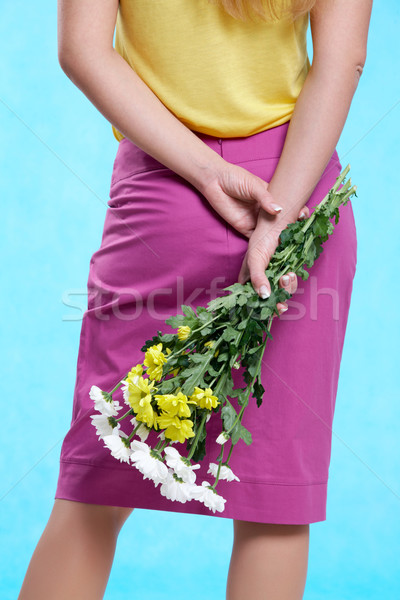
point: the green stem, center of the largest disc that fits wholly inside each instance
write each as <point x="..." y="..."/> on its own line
<point x="125" y="415"/>
<point x="339" y="197"/>
<point x="117" y="386"/>
<point x="134" y="432"/>
<point x="229" y="454"/>
<point x="220" y="457"/>
<point x="161" y="445"/>
<point x="196" y="439"/>
<point x="250" y="385"/>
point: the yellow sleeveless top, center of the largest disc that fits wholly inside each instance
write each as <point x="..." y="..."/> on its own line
<point x="218" y="75"/>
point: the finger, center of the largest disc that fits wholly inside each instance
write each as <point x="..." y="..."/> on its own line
<point x="304" y="213"/>
<point x="282" y="307"/>
<point x="257" y="262"/>
<point x="289" y="282"/>
<point x="264" y="197"/>
<point x="244" y="274"/>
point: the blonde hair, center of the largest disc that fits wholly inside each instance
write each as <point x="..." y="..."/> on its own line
<point x="266" y="10"/>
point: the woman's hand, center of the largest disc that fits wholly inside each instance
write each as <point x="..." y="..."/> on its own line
<point x="238" y="195"/>
<point x="243" y="200"/>
<point x="262" y="245"/>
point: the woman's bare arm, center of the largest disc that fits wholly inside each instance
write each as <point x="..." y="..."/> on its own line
<point x="87" y="56"/>
<point x="339" y="31"/>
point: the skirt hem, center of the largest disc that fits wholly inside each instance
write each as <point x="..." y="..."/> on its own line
<point x="262" y="502"/>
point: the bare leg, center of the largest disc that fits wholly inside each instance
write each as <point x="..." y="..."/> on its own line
<point x="269" y="562"/>
<point x="74" y="555"/>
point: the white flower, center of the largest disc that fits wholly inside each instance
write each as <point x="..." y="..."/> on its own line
<point x="151" y="467"/>
<point x="142" y="431"/>
<point x="173" y="489"/>
<point x="103" y="426"/>
<point x="209" y="497"/>
<point x="179" y="466"/>
<point x="110" y="409"/>
<point x="117" y="447"/>
<point x="225" y="472"/>
<point x="222" y="438"/>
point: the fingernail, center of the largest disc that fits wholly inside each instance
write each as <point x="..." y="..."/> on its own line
<point x="292" y="276"/>
<point x="302" y="214"/>
<point x="264" y="292"/>
<point x="286" y="279"/>
<point x="275" y="207"/>
<point x="284" y="309"/>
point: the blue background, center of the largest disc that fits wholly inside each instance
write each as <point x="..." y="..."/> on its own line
<point x="57" y="152"/>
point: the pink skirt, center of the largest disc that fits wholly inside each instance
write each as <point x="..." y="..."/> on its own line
<point x="164" y="246"/>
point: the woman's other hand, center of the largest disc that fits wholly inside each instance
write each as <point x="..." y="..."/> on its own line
<point x="262" y="245"/>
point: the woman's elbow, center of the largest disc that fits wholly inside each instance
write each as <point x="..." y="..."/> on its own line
<point x="340" y="65"/>
<point x="67" y="59"/>
<point x="360" y="62"/>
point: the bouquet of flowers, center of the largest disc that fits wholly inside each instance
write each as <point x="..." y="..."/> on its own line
<point x="186" y="376"/>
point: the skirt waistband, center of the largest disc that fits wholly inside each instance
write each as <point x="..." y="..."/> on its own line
<point x="130" y="159"/>
<point x="265" y="144"/>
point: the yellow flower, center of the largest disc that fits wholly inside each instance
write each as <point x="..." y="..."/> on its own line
<point x="154" y="360"/>
<point x="174" y="405"/>
<point x="146" y="413"/>
<point x="183" y="332"/>
<point x="204" y="398"/>
<point x="137" y="370"/>
<point x="176" y="429"/>
<point x="137" y="390"/>
<point x="175" y="371"/>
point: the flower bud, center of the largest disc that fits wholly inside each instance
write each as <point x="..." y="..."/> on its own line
<point x="222" y="438"/>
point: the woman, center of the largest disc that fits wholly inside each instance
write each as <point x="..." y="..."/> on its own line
<point x="226" y="134"/>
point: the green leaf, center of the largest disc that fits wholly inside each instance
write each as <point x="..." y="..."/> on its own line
<point x="320" y="225"/>
<point x="223" y="357"/>
<point x="167" y="338"/>
<point x="197" y="357"/>
<point x="176" y="321"/>
<point x="236" y="392"/>
<point x="298" y="237"/>
<point x="246" y="435"/>
<point x="253" y="350"/>
<point x="242" y="300"/>
<point x="235" y="433"/>
<point x="168" y="386"/>
<point x="242" y="397"/>
<point x="265" y="313"/>
<point x="188" y="311"/>
<point x="229" y="415"/>
<point x="205" y="331"/>
<point x="258" y="391"/>
<point x="229" y="334"/>
<point x="240" y="432"/>
<point x="212" y="372"/>
<point x="200" y="451"/>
